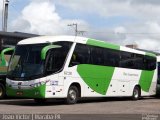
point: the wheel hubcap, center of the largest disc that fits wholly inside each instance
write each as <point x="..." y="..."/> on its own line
<point x="72" y="94"/>
<point x="1" y="91"/>
<point x="136" y="94"/>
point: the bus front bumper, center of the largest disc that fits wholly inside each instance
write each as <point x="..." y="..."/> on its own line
<point x="35" y="92"/>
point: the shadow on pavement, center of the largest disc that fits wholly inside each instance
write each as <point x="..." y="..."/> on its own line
<point x="55" y="102"/>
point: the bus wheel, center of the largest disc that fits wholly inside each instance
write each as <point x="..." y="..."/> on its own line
<point x="2" y="91"/>
<point x="136" y="93"/>
<point x="40" y="100"/>
<point x="72" y="96"/>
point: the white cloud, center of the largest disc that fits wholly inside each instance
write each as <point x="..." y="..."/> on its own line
<point x="148" y="9"/>
<point x="102" y="7"/>
<point x="1" y="6"/>
<point x="145" y="13"/>
<point x="42" y="18"/>
<point x="149" y="44"/>
<point x="151" y="2"/>
<point x="120" y="29"/>
<point x="146" y="35"/>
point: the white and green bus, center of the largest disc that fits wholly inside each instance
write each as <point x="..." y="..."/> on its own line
<point x="5" y="55"/>
<point x="158" y="80"/>
<point x="75" y="67"/>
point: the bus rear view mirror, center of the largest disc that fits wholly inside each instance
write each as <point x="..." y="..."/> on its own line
<point x="5" y="56"/>
<point x="46" y="49"/>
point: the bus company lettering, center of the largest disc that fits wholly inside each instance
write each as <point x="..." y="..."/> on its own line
<point x="130" y="74"/>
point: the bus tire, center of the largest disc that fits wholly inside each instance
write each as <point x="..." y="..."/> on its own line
<point x="136" y="93"/>
<point x="2" y="91"/>
<point x="72" y="96"/>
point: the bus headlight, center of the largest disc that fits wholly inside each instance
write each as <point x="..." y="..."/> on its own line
<point x="37" y="84"/>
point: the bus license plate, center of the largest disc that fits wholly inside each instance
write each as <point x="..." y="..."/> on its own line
<point x="19" y="93"/>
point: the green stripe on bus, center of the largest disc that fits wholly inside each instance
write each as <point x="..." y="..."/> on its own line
<point x="146" y="80"/>
<point x="28" y="93"/>
<point x="96" y="77"/>
<point x="146" y="76"/>
<point x="150" y="54"/>
<point x="102" y="44"/>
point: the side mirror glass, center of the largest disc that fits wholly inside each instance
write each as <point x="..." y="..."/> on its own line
<point x="3" y="60"/>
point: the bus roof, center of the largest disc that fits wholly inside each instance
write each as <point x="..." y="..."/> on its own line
<point x="82" y="40"/>
<point x="50" y="39"/>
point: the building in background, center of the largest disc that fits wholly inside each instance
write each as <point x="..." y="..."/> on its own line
<point x="134" y="46"/>
<point x="12" y="38"/>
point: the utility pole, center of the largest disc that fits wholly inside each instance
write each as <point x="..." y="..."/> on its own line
<point x="76" y="29"/>
<point x="75" y="25"/>
<point x="5" y="15"/>
<point x="4" y="20"/>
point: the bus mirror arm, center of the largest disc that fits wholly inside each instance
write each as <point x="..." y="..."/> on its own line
<point x="46" y="49"/>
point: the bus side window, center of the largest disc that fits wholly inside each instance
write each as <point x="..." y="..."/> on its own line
<point x="81" y="55"/>
<point x="97" y="56"/>
<point x="111" y="57"/>
<point x="150" y="63"/>
<point x="74" y="60"/>
<point x="126" y="60"/>
<point x="56" y="57"/>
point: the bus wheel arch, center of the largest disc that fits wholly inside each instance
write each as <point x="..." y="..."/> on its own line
<point x="136" y="92"/>
<point x="74" y="93"/>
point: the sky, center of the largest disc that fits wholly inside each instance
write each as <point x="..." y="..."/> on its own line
<point x="117" y="21"/>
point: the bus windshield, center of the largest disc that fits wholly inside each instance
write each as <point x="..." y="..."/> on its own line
<point x="27" y="64"/>
<point x="26" y="61"/>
